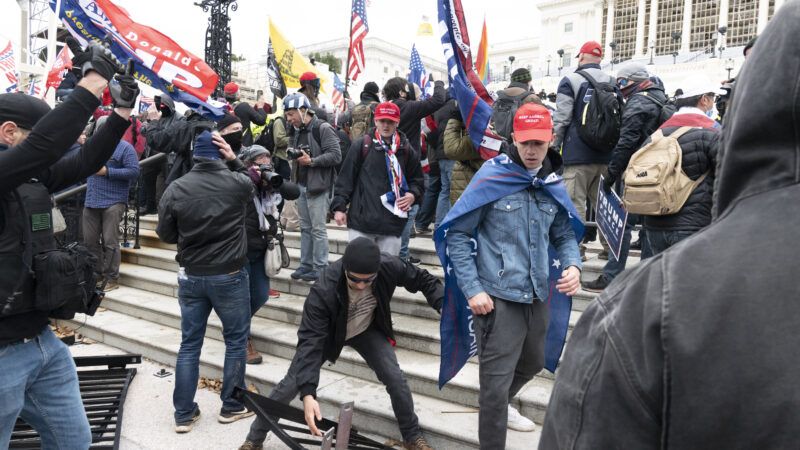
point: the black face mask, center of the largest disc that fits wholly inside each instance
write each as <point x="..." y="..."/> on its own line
<point x="234" y="140"/>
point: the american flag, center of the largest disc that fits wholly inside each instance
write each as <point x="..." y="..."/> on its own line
<point x="417" y="74"/>
<point x="8" y="67"/>
<point x="338" y="91"/>
<point x="358" y="31"/>
<point x="33" y="88"/>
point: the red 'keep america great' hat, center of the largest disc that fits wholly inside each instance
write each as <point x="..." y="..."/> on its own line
<point x="533" y="122"/>
<point x="387" y="110"/>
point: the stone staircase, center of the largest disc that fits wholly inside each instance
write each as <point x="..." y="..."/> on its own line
<point x="143" y="316"/>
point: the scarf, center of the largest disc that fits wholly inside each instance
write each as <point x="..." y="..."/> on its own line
<point x="397" y="181"/>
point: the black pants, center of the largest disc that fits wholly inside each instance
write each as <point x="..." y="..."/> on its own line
<point x="150" y="191"/>
<point x="376" y="350"/>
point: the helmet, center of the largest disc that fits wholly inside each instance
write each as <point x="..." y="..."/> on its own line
<point x="295" y="101"/>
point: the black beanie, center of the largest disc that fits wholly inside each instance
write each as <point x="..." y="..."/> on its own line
<point x="370" y="91"/>
<point x="362" y="256"/>
<point x="227" y="119"/>
<point x="521" y="75"/>
<point x="22" y="109"/>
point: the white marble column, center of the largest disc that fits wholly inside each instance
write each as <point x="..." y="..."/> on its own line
<point x="763" y="15"/>
<point x="653" y="26"/>
<point x="610" y="26"/>
<point x="687" y="26"/>
<point x="778" y="4"/>
<point x="639" y="48"/>
<point x="723" y="13"/>
<point x="597" y="29"/>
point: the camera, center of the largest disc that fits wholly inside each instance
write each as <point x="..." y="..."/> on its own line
<point x="294" y="153"/>
<point x="269" y="178"/>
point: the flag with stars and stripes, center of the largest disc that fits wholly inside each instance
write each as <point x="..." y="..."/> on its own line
<point x="338" y="93"/>
<point x="418" y="75"/>
<point x="358" y="31"/>
<point x="34" y="89"/>
<point x="8" y="69"/>
<point x="498" y="178"/>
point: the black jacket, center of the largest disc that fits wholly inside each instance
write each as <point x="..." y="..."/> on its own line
<point x="323" y="328"/>
<point x="43" y="155"/>
<point x="257" y="239"/>
<point x="443" y="115"/>
<point x="412" y="111"/>
<point x="696" y="348"/>
<point x="362" y="181"/>
<point x="699" y="149"/>
<point x="640" y="119"/>
<point x="204" y="213"/>
<point x="247" y="114"/>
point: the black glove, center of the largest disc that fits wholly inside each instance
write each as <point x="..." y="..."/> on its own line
<point x="608" y="183"/>
<point x="124" y="91"/>
<point x="97" y="57"/>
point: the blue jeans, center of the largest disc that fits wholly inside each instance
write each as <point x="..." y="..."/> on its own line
<point x="427" y="212"/>
<point x="615" y="267"/>
<point x="313" y="214"/>
<point x="662" y="240"/>
<point x="443" y="207"/>
<point x="229" y="296"/>
<point x="259" y="282"/>
<point x="406" y="236"/>
<point x="38" y="383"/>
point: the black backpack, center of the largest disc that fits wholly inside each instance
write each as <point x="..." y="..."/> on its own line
<point x="666" y="110"/>
<point x="601" y="118"/>
<point x="503" y="111"/>
<point x="267" y="137"/>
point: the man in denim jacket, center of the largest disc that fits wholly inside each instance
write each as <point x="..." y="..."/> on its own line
<point x="507" y="281"/>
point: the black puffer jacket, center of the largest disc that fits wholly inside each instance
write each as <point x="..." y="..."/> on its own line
<point x="640" y="119"/>
<point x="257" y="239"/>
<point x="699" y="156"/>
<point x="323" y="327"/>
<point x="204" y="213"/>
<point x="363" y="180"/>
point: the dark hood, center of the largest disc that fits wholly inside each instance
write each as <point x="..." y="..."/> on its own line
<point x="369" y="97"/>
<point x="760" y="147"/>
<point x="552" y="162"/>
<point x="167" y="101"/>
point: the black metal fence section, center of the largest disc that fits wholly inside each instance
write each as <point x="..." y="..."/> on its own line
<point x="103" y="392"/>
<point x="346" y="437"/>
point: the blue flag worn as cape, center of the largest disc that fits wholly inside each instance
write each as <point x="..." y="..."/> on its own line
<point x="498" y="178"/>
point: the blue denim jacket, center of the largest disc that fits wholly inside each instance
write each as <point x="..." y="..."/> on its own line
<point x="512" y="237"/>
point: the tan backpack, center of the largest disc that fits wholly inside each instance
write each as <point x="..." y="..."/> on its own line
<point x="655" y="183"/>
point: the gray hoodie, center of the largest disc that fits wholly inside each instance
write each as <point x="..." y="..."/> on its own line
<point x="697" y="347"/>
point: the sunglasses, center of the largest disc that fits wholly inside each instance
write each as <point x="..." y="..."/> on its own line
<point x="622" y="82"/>
<point x="369" y="279"/>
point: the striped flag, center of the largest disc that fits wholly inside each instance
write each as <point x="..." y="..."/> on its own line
<point x="338" y="93"/>
<point x="8" y="69"/>
<point x="417" y="74"/>
<point x="34" y="89"/>
<point x="358" y="31"/>
<point x="482" y="60"/>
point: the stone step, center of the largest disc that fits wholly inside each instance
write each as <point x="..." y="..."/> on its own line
<point x="447" y="425"/>
<point x="277" y="337"/>
<point x="412" y="332"/>
<point x="421" y="247"/>
<point x="164" y="259"/>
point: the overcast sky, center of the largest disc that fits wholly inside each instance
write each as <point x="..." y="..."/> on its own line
<point x="312" y="21"/>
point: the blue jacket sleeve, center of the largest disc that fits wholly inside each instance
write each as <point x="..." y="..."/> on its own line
<point x="563" y="239"/>
<point x="461" y="249"/>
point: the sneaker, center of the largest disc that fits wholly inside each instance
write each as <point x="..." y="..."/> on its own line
<point x="111" y="285"/>
<point x="185" y="427"/>
<point x="422" y="230"/>
<point x="597" y="285"/>
<point x="253" y="357"/>
<point x="417" y="444"/>
<point x="298" y="274"/>
<point x="233" y="416"/>
<point x="636" y="245"/>
<point x="413" y="260"/>
<point x="310" y="276"/>
<point x="274" y="294"/>
<point x="250" y="446"/>
<point x="518" y="422"/>
<point x="603" y="254"/>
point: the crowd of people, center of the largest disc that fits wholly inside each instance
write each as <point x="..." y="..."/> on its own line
<point x="397" y="166"/>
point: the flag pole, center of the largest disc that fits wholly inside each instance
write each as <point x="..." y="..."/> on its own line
<point x="349" y="51"/>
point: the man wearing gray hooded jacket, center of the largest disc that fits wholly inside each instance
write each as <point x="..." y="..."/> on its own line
<point x="693" y="348"/>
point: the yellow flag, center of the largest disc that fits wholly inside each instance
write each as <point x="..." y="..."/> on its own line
<point x="291" y="63"/>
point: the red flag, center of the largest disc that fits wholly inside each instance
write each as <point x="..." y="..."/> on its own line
<point x="161" y="54"/>
<point x="62" y="63"/>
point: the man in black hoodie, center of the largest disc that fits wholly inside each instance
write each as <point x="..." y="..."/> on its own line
<point x="350" y="305"/>
<point x="693" y="349"/>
